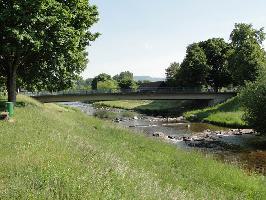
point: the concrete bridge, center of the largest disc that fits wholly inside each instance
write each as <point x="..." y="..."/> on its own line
<point x="213" y="98"/>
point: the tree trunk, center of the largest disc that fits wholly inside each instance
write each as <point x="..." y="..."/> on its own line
<point x="11" y="84"/>
<point x="216" y="89"/>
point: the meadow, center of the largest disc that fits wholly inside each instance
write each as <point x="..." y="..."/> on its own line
<point x="53" y="152"/>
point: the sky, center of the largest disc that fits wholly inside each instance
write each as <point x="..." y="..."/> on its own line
<point x="145" y="36"/>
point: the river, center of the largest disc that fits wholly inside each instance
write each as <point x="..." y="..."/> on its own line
<point x="246" y="150"/>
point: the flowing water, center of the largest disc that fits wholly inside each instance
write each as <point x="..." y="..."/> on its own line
<point x="247" y="151"/>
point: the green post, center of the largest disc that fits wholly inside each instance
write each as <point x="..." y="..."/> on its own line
<point x="10" y="108"/>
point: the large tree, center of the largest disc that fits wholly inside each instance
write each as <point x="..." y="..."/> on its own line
<point x="194" y="69"/>
<point x="100" y="78"/>
<point x="125" y="80"/>
<point x="171" y="74"/>
<point x="217" y="51"/>
<point x="248" y="56"/>
<point x="43" y="42"/>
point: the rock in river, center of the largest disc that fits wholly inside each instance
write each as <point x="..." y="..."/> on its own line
<point x="158" y="134"/>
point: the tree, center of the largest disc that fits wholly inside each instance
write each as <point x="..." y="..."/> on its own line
<point x="81" y="84"/>
<point x="217" y="51"/>
<point x="43" y="42"/>
<point x="194" y="69"/>
<point x="171" y="74"/>
<point x="2" y="84"/>
<point x="107" y="85"/>
<point x="247" y="57"/>
<point x="253" y="99"/>
<point x="125" y="80"/>
<point x="100" y="78"/>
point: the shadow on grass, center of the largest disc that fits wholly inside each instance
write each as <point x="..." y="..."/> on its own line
<point x="231" y="105"/>
<point x="171" y="108"/>
<point x="225" y="114"/>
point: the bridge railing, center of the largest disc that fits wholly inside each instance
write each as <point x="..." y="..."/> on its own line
<point x="163" y="90"/>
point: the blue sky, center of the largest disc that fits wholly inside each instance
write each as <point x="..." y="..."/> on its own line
<point x="145" y="36"/>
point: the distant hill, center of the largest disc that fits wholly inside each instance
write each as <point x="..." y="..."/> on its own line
<point x="148" y="78"/>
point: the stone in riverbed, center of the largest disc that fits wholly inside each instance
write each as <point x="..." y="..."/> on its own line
<point x="247" y="131"/>
<point x="158" y="134"/>
<point x="237" y="133"/>
<point x="171" y="137"/>
<point x="187" y="139"/>
<point x="196" y="138"/>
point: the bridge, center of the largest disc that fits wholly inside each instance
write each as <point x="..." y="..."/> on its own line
<point x="108" y="95"/>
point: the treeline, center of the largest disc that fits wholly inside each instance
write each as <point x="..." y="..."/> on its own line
<point x="239" y="63"/>
<point x="123" y="81"/>
<point x="216" y="64"/>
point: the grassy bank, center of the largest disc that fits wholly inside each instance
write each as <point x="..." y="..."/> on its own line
<point x="226" y="114"/>
<point x="51" y="152"/>
<point x="156" y="107"/>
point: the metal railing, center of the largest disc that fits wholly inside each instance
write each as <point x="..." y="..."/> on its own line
<point x="144" y="90"/>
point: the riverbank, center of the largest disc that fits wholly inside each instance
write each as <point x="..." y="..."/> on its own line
<point x="228" y="114"/>
<point x="150" y="107"/>
<point x="56" y="152"/>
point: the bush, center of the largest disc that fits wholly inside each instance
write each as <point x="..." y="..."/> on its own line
<point x="253" y="99"/>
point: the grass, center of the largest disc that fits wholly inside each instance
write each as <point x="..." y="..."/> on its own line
<point x="226" y="114"/>
<point x="103" y="114"/>
<point x="110" y="115"/>
<point x="53" y="152"/>
<point x="152" y="107"/>
<point x="140" y="104"/>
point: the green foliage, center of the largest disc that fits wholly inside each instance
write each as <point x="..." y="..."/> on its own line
<point x="2" y="84"/>
<point x="81" y="84"/>
<point x="125" y="80"/>
<point x="52" y="152"/>
<point x="253" y="99"/>
<point x="216" y="51"/>
<point x="107" y="85"/>
<point x="100" y="78"/>
<point x="194" y="69"/>
<point x="247" y="56"/>
<point x="226" y="114"/>
<point x="218" y="64"/>
<point x="171" y="73"/>
<point x="43" y="43"/>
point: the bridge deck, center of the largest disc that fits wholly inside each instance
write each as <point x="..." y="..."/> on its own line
<point x="219" y="97"/>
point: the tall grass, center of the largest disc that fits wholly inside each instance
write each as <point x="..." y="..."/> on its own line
<point x="51" y="152"/>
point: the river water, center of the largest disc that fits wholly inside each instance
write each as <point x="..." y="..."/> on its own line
<point x="246" y="151"/>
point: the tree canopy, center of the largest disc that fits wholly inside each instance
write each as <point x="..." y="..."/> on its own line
<point x="194" y="69"/>
<point x="43" y="42"/>
<point x="100" y="78"/>
<point x="125" y="80"/>
<point x="247" y="56"/>
<point x="171" y="74"/>
<point x="217" y="51"/>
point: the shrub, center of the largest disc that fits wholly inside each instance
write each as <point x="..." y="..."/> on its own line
<point x="253" y="99"/>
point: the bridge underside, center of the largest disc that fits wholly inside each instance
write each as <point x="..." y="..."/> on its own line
<point x="214" y="98"/>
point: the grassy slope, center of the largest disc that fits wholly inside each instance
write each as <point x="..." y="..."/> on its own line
<point x="141" y="104"/>
<point x="52" y="152"/>
<point x="225" y="114"/>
